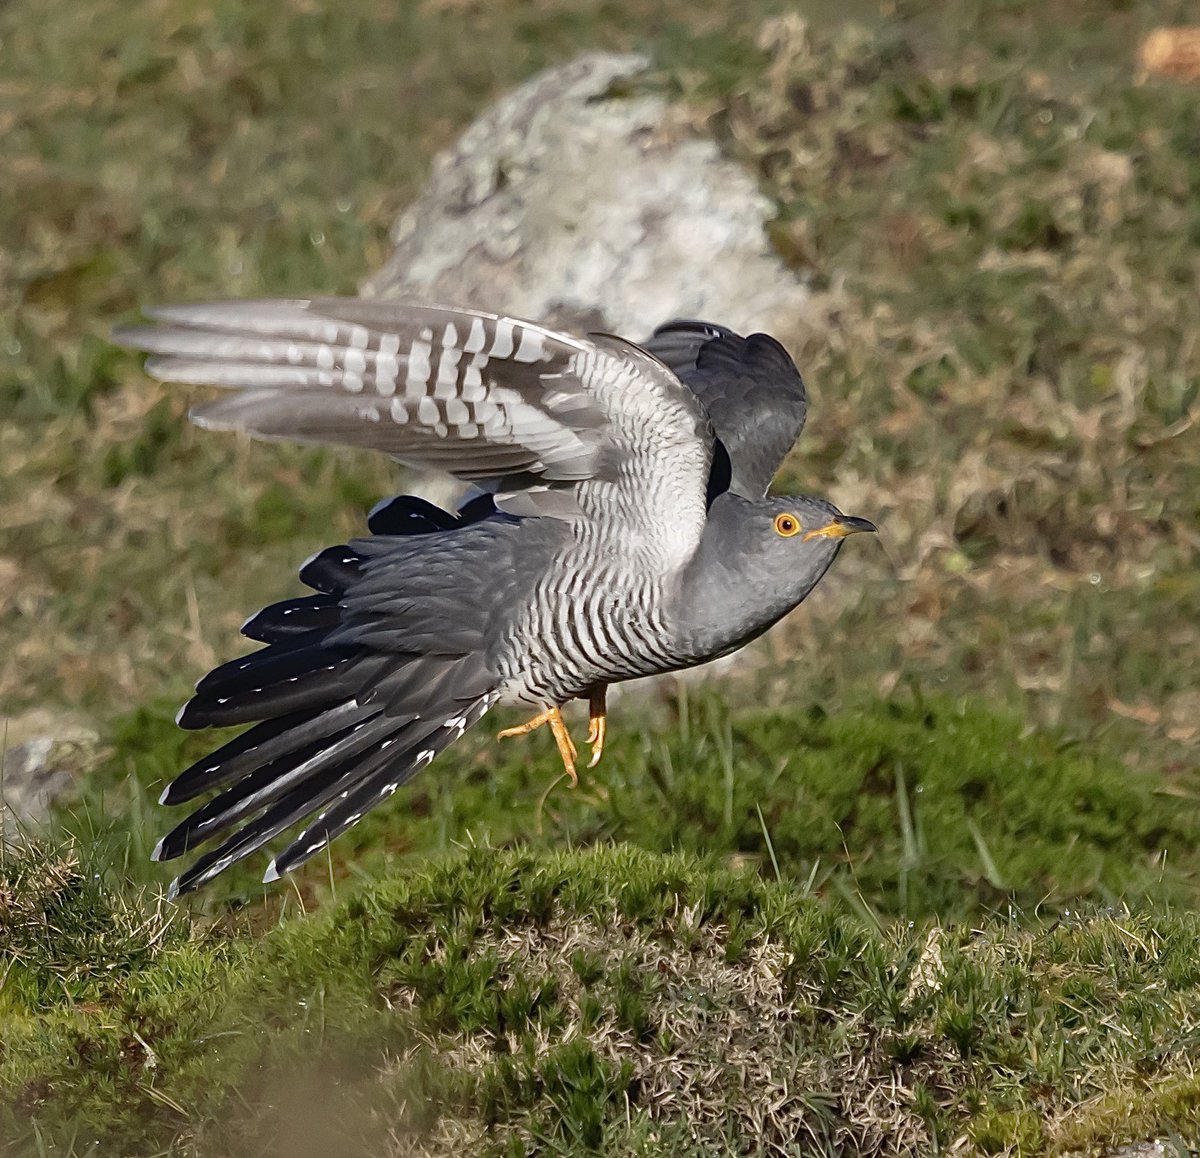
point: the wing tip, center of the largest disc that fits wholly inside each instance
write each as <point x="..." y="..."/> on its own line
<point x="197" y="314"/>
<point x="199" y="417"/>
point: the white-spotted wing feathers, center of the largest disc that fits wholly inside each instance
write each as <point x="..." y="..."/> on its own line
<point x="482" y="396"/>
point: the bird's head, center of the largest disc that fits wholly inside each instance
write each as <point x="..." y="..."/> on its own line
<point x="763" y="556"/>
<point x="794" y="527"/>
<point x="797" y="538"/>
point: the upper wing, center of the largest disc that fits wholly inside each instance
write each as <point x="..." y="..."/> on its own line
<point x="751" y="389"/>
<point x="475" y="394"/>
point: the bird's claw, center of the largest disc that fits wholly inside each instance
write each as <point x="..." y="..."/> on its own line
<point x="597" y="722"/>
<point x="596" y="730"/>
<point x="562" y="737"/>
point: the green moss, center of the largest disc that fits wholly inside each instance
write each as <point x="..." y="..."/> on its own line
<point x="1008" y="1132"/>
<point x="458" y="981"/>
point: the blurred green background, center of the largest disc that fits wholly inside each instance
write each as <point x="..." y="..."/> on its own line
<point x="999" y="221"/>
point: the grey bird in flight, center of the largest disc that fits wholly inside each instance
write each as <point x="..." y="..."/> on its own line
<point x="622" y="529"/>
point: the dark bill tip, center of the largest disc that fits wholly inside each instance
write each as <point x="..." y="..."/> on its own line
<point x="852" y="524"/>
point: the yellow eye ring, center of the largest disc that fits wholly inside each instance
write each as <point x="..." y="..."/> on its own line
<point x="787" y="525"/>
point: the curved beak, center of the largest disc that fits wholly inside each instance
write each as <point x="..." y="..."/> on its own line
<point x="840" y="527"/>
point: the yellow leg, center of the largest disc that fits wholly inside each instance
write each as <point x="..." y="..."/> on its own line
<point x="597" y="722"/>
<point x="566" y="747"/>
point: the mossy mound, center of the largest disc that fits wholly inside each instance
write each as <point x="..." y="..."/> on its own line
<point x="599" y="1001"/>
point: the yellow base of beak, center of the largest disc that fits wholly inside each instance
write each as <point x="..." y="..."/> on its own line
<point x="839" y="528"/>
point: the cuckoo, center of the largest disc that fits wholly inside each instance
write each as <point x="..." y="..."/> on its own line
<point x="620" y="526"/>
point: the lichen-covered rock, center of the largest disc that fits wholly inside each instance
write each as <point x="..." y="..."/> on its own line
<point x="568" y="203"/>
<point x="44" y="755"/>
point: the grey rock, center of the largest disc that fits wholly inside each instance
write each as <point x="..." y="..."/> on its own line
<point x="44" y="756"/>
<point x="567" y="203"/>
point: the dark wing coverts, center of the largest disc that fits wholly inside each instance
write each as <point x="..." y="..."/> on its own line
<point x="751" y="389"/>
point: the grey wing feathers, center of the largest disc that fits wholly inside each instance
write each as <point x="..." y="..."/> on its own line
<point x="347" y="708"/>
<point x="478" y="395"/>
<point x="751" y="389"/>
<point x="557" y="426"/>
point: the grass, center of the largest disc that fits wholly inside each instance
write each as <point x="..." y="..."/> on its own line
<point x="605" y="1001"/>
<point x="1001" y="240"/>
<point x="920" y="879"/>
<point x="910" y="808"/>
<point x="888" y="931"/>
<point x="997" y="230"/>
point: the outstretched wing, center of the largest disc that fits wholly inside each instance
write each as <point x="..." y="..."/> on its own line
<point x="751" y="389"/>
<point x="482" y="396"/>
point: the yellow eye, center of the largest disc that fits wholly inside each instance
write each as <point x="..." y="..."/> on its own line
<point x="786" y="525"/>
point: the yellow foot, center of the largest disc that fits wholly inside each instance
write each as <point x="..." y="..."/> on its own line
<point x="597" y="723"/>
<point x="566" y="747"/>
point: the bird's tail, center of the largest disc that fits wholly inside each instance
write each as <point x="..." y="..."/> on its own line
<point x="339" y="722"/>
